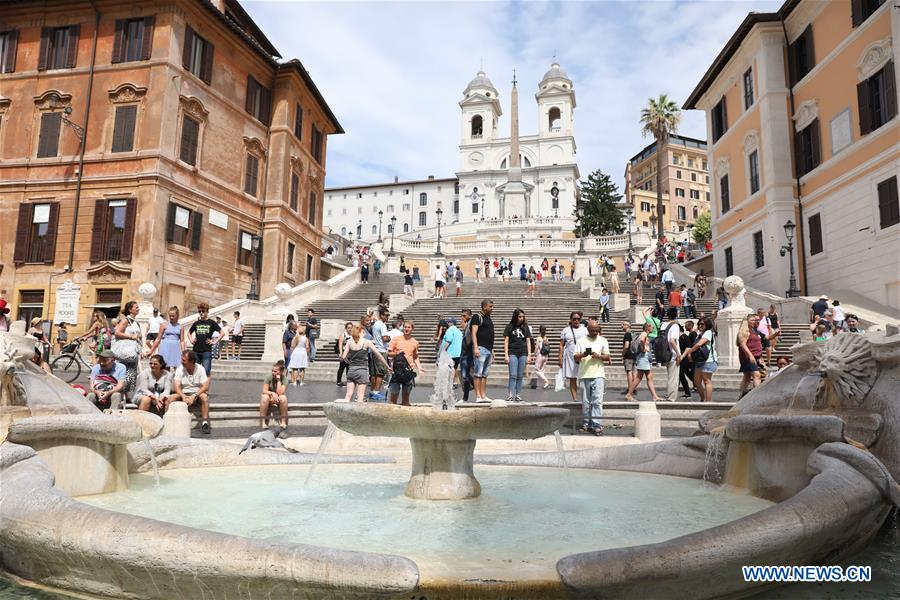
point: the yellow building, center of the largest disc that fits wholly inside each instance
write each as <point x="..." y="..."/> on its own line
<point x="685" y="183"/>
<point x="801" y="109"/>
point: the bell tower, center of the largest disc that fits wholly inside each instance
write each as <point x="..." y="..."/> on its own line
<point x="480" y="111"/>
<point x="556" y="103"/>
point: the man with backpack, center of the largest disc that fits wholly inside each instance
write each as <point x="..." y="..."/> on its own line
<point x="666" y="351"/>
<point x="690" y="304"/>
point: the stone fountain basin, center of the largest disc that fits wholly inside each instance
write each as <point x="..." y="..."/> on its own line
<point x="390" y="420"/>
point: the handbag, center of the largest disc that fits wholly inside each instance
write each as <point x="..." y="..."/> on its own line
<point x="126" y="351"/>
<point x="560" y="383"/>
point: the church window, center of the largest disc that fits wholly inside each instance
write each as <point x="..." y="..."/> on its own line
<point x="477" y="126"/>
<point x="343" y="232"/>
<point x="423" y="199"/>
<point x="555" y="119"/>
<point x="374" y="229"/>
<point x="423" y="219"/>
<point x="525" y="161"/>
<point x="406" y="228"/>
<point x="474" y="208"/>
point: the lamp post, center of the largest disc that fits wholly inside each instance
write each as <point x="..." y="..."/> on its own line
<point x="359" y="230"/>
<point x="630" y="216"/>
<point x="393" y="227"/>
<point x="482" y="208"/>
<point x="789" y="228"/>
<point x="254" y="264"/>
<point x="380" y="213"/>
<point x="437" y="251"/>
<point x="653" y="221"/>
<point x="580" y="208"/>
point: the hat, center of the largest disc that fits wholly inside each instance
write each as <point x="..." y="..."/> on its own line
<point x="35" y="321"/>
<point x="3" y="308"/>
<point x="106" y="354"/>
<point x="823" y="297"/>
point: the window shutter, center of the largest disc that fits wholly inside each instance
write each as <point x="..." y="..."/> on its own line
<point x="12" y="39"/>
<point x="890" y="90"/>
<point x="251" y="90"/>
<point x="815" y="149"/>
<point x="188" y="47"/>
<point x="724" y="115"/>
<point x="26" y="211"/>
<point x="815" y="234"/>
<point x="856" y="11"/>
<point x="98" y="231"/>
<point x="170" y="223"/>
<point x="48" y="139"/>
<point x="810" y="49"/>
<point x="313" y="199"/>
<point x="147" y="39"/>
<point x="265" y="106"/>
<point x="206" y="70"/>
<point x="44" y="52"/>
<point x="72" y="46"/>
<point x="196" y="226"/>
<point x="123" y="130"/>
<point x="865" y="110"/>
<point x="259" y="258"/>
<point x="117" y="41"/>
<point x="128" y="234"/>
<point x="52" y="227"/>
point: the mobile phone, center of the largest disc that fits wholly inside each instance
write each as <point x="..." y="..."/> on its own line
<point x="587" y="350"/>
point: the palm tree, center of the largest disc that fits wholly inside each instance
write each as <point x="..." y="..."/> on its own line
<point x="660" y="119"/>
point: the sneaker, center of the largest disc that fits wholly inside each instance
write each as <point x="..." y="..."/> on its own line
<point x="546" y="385"/>
<point x="517" y="399"/>
<point x="509" y="397"/>
<point x="341" y="384"/>
<point x="204" y="427"/>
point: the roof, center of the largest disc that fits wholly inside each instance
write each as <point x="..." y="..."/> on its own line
<point x="391" y="184"/>
<point x="296" y="65"/>
<point x="255" y="31"/>
<point x="480" y="81"/>
<point x="732" y="46"/>
<point x="555" y="72"/>
<point x="678" y="140"/>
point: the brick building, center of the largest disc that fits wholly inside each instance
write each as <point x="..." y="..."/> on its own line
<point x="199" y="145"/>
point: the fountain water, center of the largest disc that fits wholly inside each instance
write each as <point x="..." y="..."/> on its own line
<point x="716" y="449"/>
<point x="326" y="439"/>
<point x="146" y="442"/>
<point x="561" y="451"/>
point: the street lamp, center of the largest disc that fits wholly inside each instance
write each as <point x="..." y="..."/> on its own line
<point x="482" y="208"/>
<point x="630" y="217"/>
<point x="393" y="227"/>
<point x="254" y="264"/>
<point x="653" y="220"/>
<point x="580" y="208"/>
<point x="379" y="225"/>
<point x="437" y="251"/>
<point x="67" y="111"/>
<point x="789" y="228"/>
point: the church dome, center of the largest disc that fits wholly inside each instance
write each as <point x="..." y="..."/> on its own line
<point x="555" y="73"/>
<point x="481" y="82"/>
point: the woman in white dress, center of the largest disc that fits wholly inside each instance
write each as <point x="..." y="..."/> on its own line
<point x="299" y="356"/>
<point x="568" y="340"/>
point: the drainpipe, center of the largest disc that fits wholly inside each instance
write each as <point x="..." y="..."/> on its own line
<point x="84" y="128"/>
<point x="801" y="225"/>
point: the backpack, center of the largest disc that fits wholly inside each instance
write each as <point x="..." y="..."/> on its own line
<point x="545" y="349"/>
<point x="403" y="372"/>
<point x="634" y="348"/>
<point x="662" y="351"/>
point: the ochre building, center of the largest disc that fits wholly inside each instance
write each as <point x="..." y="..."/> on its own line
<point x="202" y="154"/>
<point x="801" y="109"/>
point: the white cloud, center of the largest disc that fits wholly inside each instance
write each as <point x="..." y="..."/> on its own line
<point x="393" y="72"/>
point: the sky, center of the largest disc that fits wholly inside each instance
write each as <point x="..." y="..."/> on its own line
<point x="393" y="72"/>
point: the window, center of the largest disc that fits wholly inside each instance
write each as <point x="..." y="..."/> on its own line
<point x="724" y="194"/>
<point x="759" y="256"/>
<point x="807" y="145"/>
<point x="729" y="263"/>
<point x="390" y="228"/>
<point x="693" y="177"/>
<point x="295" y="190"/>
<point x="695" y="194"/>
<point x="343" y="211"/>
<point x="704" y="165"/>
<point x="456" y="187"/>
<point x="406" y="228"/>
<point x="888" y="203"/>
<point x="423" y="199"/>
<point x="676" y="160"/>
<point x="8" y="42"/>
<point x="719" y="120"/>
<point x="863" y="9"/>
<point x="474" y="208"/>
<point x="133" y="39"/>
<point x="877" y="97"/>
<point x="678" y="174"/>
<point x="123" y="130"/>
<point x="316" y="144"/>
<point x="298" y="122"/>
<point x="374" y="229"/>
<point x="245" y="248"/>
<point x="554" y="119"/>
<point x="748" y="88"/>
<point x="190" y="140"/>
<point x="358" y="195"/>
<point x="645" y="206"/>
<point x="753" y="160"/>
<point x="359" y="210"/>
<point x="390" y="208"/>
<point x="707" y="196"/>
<point x="679" y="192"/>
<point x="59" y="47"/>
<point x="707" y="178"/>
<point x="36" y="233"/>
<point x="406" y="192"/>
<point x="477" y="126"/>
<point x="815" y="234"/>
<point x="31" y="305"/>
<point x="313" y="207"/>
<point x="423" y="219"/>
<point x="456" y="206"/>
<point x="251" y="175"/>
<point x="343" y="232"/>
<point x="198" y="55"/>
<point x="112" y="235"/>
<point x="695" y="212"/>
<point x="407" y="206"/>
<point x="801" y="56"/>
<point x="183" y="226"/>
<point x="259" y="101"/>
<point x="289" y="263"/>
<point x="48" y="139"/>
<point x="309" y="267"/>
<point x="682" y="213"/>
<point x="690" y="163"/>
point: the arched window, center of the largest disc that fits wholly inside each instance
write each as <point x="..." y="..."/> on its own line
<point x="423" y="199"/>
<point x="477" y="126"/>
<point x="523" y="160"/>
<point x="359" y="231"/>
<point x="423" y="219"/>
<point x="554" y="119"/>
<point x="390" y="228"/>
<point x="406" y="228"/>
<point x="374" y="229"/>
<point x="343" y="232"/>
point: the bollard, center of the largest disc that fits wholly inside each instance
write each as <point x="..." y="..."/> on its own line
<point x="177" y="421"/>
<point x="647" y="422"/>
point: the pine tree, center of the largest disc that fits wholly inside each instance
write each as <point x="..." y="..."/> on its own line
<point x="702" y="228"/>
<point x="600" y="198"/>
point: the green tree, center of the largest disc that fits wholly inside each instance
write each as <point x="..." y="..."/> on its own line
<point x="660" y="119"/>
<point x="702" y="228"/>
<point x="599" y="198"/>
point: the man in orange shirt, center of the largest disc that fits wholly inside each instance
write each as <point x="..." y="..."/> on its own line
<point x="403" y="379"/>
<point x="676" y="298"/>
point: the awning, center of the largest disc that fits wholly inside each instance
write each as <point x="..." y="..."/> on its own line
<point x="104" y="305"/>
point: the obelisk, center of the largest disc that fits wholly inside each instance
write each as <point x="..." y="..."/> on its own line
<point x="514" y="204"/>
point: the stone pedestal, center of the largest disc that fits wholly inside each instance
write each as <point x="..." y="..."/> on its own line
<point x="147" y="292"/>
<point x="582" y="266"/>
<point x="442" y="470"/>
<point x="274" y="330"/>
<point x="728" y="323"/>
<point x="177" y="421"/>
<point x="619" y="302"/>
<point x="647" y="422"/>
<point x="391" y="263"/>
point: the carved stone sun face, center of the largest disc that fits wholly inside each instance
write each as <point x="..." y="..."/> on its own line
<point x="848" y="369"/>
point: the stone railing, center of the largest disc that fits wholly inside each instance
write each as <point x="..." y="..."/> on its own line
<point x="555" y="226"/>
<point x="558" y="247"/>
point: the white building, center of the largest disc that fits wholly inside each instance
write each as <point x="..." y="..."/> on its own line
<point x="478" y="193"/>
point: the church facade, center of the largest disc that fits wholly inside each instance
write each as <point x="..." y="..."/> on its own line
<point x="522" y="178"/>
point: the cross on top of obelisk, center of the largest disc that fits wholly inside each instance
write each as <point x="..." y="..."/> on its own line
<point x="514" y="78"/>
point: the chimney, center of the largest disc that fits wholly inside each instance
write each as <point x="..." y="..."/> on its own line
<point x="431" y="178"/>
<point x="396" y="179"/>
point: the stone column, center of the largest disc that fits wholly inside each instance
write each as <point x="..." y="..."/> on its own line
<point x="728" y="322"/>
<point x="582" y="266"/>
<point x="647" y="427"/>
<point x="147" y="292"/>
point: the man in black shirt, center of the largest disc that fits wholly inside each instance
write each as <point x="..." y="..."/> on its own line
<point x="627" y="339"/>
<point x="200" y="334"/>
<point x="482" y="328"/>
<point x="686" y="340"/>
<point x="818" y="308"/>
<point x="312" y="332"/>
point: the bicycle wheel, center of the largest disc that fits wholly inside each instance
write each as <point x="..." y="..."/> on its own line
<point x="66" y="367"/>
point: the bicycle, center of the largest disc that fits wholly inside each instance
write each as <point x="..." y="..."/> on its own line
<point x="69" y="362"/>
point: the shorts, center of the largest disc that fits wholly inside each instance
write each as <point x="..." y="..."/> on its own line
<point x="709" y="366"/>
<point x="396" y="387"/>
<point x="458" y="284"/>
<point x="378" y="368"/>
<point x="455" y="362"/>
<point x="438" y="284"/>
<point x="481" y="365"/>
<point x="237" y="339"/>
<point x="152" y="336"/>
<point x="749" y="366"/>
<point x="629" y="364"/>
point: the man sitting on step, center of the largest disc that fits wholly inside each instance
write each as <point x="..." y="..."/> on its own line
<point x="192" y="386"/>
